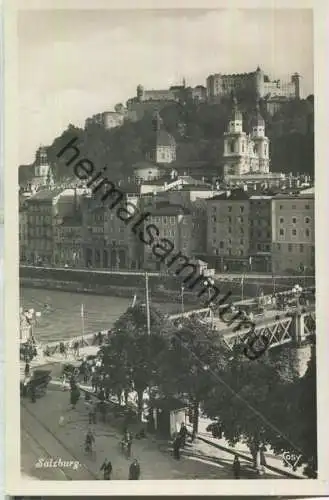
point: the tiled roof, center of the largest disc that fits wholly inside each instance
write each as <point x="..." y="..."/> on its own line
<point x="234" y="195"/>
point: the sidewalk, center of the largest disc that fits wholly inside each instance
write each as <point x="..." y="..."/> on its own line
<point x="155" y="457"/>
<point x="274" y="462"/>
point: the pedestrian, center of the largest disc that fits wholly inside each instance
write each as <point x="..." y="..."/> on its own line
<point x="236" y="467"/>
<point x="183" y="434"/>
<point x="64" y="381"/>
<point x="107" y="469"/>
<point x="134" y="470"/>
<point x="129" y="441"/>
<point x="176" y="447"/>
<point x="27" y="369"/>
<point x="92" y="414"/>
<point x="33" y="393"/>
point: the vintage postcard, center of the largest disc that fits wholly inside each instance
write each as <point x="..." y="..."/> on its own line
<point x="165" y="298"/>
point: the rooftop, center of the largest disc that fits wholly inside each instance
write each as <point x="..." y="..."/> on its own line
<point x="167" y="209"/>
<point x="46" y="194"/>
<point x="232" y="195"/>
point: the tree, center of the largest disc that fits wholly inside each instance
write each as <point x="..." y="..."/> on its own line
<point x="300" y="420"/>
<point x="194" y="355"/>
<point x="248" y="401"/>
<point x="133" y="358"/>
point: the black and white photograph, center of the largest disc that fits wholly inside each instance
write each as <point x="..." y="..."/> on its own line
<point x="167" y="291"/>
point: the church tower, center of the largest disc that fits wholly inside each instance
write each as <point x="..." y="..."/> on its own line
<point x="42" y="170"/>
<point x="236" y="160"/>
<point x="260" y="161"/>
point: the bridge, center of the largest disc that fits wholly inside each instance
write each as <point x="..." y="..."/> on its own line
<point x="296" y="325"/>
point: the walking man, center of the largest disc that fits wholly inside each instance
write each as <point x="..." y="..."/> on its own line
<point x="107" y="469"/>
<point x="183" y="434"/>
<point x="134" y="470"/>
<point x="236" y="467"/>
<point x="176" y="446"/>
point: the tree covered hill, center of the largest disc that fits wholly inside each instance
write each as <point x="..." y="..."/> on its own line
<point x="198" y="129"/>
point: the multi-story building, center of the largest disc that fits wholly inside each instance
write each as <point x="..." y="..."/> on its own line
<point x="260" y="217"/>
<point x="68" y="241"/>
<point x="107" y="119"/>
<point x="23" y="232"/>
<point x="245" y="153"/>
<point x="44" y="209"/>
<point x="293" y="239"/>
<point x="228" y="234"/>
<point x="219" y="85"/>
<point x="174" y="223"/>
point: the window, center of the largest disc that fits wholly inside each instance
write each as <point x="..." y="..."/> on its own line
<point x="241" y="230"/>
<point x="268" y="248"/>
<point x="241" y="210"/>
<point x="307" y="220"/>
<point x="214" y="209"/>
<point x="221" y="244"/>
<point x="278" y="246"/>
<point x="281" y="207"/>
<point x="289" y="248"/>
<point x="307" y="207"/>
<point x="241" y="252"/>
<point x="241" y="242"/>
<point x="294" y="220"/>
<point x="229" y="209"/>
<point x="232" y="146"/>
<point x="229" y="220"/>
<point x="294" y="232"/>
<point x="281" y="220"/>
<point x="165" y="220"/>
<point x="307" y="233"/>
<point x="214" y="241"/>
<point x="259" y="246"/>
<point x="301" y="248"/>
<point x="230" y="230"/>
<point x="281" y="232"/>
<point x="293" y="207"/>
<point x="214" y="219"/>
<point x="241" y="220"/>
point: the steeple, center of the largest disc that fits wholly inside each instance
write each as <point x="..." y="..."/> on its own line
<point x="157" y="121"/>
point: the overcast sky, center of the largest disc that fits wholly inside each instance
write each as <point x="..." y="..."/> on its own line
<point x="73" y="64"/>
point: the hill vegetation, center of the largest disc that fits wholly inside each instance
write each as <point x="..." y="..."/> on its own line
<point x="198" y="129"/>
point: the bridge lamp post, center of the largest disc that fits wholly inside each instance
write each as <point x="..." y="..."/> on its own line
<point x="208" y="283"/>
<point x="31" y="317"/>
<point x="182" y="298"/>
<point x="297" y="291"/>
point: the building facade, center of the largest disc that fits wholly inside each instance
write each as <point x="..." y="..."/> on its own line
<point x="68" y="241"/>
<point x="107" y="119"/>
<point x="174" y="223"/>
<point x="228" y="234"/>
<point x="163" y="150"/>
<point x="293" y="237"/>
<point x="260" y="217"/>
<point x="257" y="82"/>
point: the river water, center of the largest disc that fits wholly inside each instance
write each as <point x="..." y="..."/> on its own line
<point x="61" y="312"/>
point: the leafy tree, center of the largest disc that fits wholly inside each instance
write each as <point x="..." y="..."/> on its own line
<point x="248" y="401"/>
<point x="300" y="420"/>
<point x="133" y="357"/>
<point x="194" y="355"/>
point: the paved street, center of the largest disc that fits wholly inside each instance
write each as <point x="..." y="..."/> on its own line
<point x="43" y="436"/>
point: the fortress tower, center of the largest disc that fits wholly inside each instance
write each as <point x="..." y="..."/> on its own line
<point x="42" y="170"/>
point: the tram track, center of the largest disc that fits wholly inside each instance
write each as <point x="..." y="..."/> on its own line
<point x="61" y="450"/>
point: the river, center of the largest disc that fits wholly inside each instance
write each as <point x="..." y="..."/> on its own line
<point x="61" y="312"/>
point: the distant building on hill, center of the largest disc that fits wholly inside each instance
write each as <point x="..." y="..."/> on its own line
<point x="38" y="175"/>
<point x="107" y="119"/>
<point x="219" y="85"/>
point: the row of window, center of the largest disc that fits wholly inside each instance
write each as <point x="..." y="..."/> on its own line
<point x="293" y="207"/>
<point x="163" y="220"/>
<point x="229" y="209"/>
<point x="229" y="251"/>
<point x="295" y="219"/>
<point x="40" y="219"/>
<point x="40" y="232"/>
<point x="40" y="208"/>
<point x="282" y="232"/>
<point x="229" y="242"/>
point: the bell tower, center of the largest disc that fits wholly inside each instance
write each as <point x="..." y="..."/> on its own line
<point x="235" y="144"/>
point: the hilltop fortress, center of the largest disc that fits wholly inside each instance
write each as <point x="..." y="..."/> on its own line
<point x="217" y="87"/>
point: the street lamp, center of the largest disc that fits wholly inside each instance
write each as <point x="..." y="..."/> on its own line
<point x="31" y="317"/>
<point x="297" y="291"/>
<point x="209" y="282"/>
<point x="182" y="298"/>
